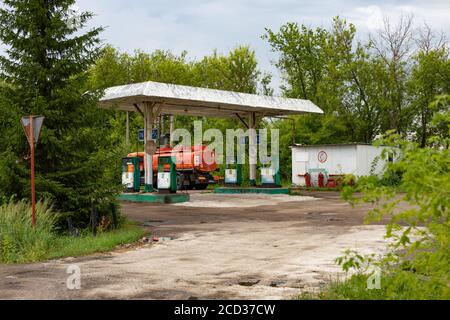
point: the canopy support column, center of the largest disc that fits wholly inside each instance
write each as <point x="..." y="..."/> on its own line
<point x="172" y="128"/>
<point x="127" y="134"/>
<point x="148" y="122"/>
<point x="253" y="149"/>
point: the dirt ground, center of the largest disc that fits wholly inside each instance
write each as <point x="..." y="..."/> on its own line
<point x="214" y="247"/>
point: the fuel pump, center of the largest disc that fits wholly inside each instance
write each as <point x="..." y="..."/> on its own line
<point x="167" y="175"/>
<point x="271" y="176"/>
<point x="131" y="173"/>
<point x="233" y="172"/>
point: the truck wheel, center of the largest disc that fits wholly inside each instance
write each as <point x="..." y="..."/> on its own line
<point x="183" y="182"/>
<point x="201" y="186"/>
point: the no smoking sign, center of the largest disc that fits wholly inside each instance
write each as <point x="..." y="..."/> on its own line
<point x="323" y="157"/>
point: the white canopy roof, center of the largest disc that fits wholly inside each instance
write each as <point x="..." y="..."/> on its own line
<point x="193" y="101"/>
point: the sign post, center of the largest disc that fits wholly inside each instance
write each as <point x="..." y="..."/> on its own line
<point x="32" y="126"/>
<point x="33" y="194"/>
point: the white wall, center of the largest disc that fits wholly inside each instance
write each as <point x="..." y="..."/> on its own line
<point x="366" y="156"/>
<point x="298" y="167"/>
<point x="342" y="159"/>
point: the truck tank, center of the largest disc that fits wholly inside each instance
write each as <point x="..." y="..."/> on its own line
<point x="194" y="165"/>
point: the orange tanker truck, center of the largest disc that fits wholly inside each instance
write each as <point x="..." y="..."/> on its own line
<point x="194" y="166"/>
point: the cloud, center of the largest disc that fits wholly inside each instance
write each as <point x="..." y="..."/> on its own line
<point x="371" y="16"/>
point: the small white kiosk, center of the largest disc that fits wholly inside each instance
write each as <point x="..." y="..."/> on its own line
<point x="335" y="160"/>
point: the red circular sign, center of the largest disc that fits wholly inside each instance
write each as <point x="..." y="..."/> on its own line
<point x="323" y="157"/>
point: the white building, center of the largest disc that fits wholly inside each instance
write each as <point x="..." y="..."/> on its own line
<point x="337" y="160"/>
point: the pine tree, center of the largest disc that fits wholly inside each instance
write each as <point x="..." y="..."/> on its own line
<point x="45" y="73"/>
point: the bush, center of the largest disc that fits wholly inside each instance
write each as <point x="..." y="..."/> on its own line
<point x="417" y="263"/>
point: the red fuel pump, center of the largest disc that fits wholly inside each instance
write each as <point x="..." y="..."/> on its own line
<point x="321" y="180"/>
<point x="308" y="180"/>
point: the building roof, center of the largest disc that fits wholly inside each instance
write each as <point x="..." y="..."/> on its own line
<point x="194" y="101"/>
<point x="330" y="145"/>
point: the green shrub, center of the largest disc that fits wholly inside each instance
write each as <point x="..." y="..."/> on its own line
<point x="417" y="263"/>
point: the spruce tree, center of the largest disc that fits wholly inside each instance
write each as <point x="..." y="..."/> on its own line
<point x="44" y="72"/>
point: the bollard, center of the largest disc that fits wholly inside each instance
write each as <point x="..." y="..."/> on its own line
<point x="114" y="215"/>
<point x="94" y="219"/>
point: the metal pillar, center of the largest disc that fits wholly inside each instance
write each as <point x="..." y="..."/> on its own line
<point x="253" y="149"/>
<point x="127" y="134"/>
<point x="148" y="120"/>
<point x="172" y="128"/>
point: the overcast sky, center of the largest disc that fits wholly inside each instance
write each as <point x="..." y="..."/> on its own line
<point x="200" y="26"/>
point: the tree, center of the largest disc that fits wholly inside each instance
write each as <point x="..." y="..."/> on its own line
<point x="334" y="72"/>
<point x="302" y="58"/>
<point x="111" y="69"/>
<point x="430" y="77"/>
<point x="115" y="68"/>
<point x="237" y="71"/>
<point x="416" y="262"/>
<point x="393" y="47"/>
<point x="45" y="69"/>
<point x="369" y="87"/>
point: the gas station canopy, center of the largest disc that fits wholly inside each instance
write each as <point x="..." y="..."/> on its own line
<point x="152" y="99"/>
<point x="193" y="101"/>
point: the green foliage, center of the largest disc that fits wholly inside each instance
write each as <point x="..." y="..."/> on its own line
<point x="235" y="71"/>
<point x="45" y="73"/>
<point x="302" y="57"/>
<point x="365" y="88"/>
<point x="395" y="285"/>
<point x="440" y="124"/>
<point x="418" y="259"/>
<point x="430" y="77"/>
<point x="331" y="70"/>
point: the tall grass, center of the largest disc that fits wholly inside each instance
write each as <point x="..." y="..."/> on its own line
<point x="19" y="241"/>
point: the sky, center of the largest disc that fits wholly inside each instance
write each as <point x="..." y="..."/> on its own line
<point x="200" y="26"/>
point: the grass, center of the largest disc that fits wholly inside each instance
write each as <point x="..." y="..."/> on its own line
<point x="400" y="285"/>
<point x="354" y="288"/>
<point x="67" y="246"/>
<point x="21" y="243"/>
<point x="299" y="190"/>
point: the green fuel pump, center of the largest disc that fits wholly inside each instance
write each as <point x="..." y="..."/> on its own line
<point x="131" y="174"/>
<point x="271" y="176"/>
<point x="167" y="175"/>
<point x="233" y="173"/>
